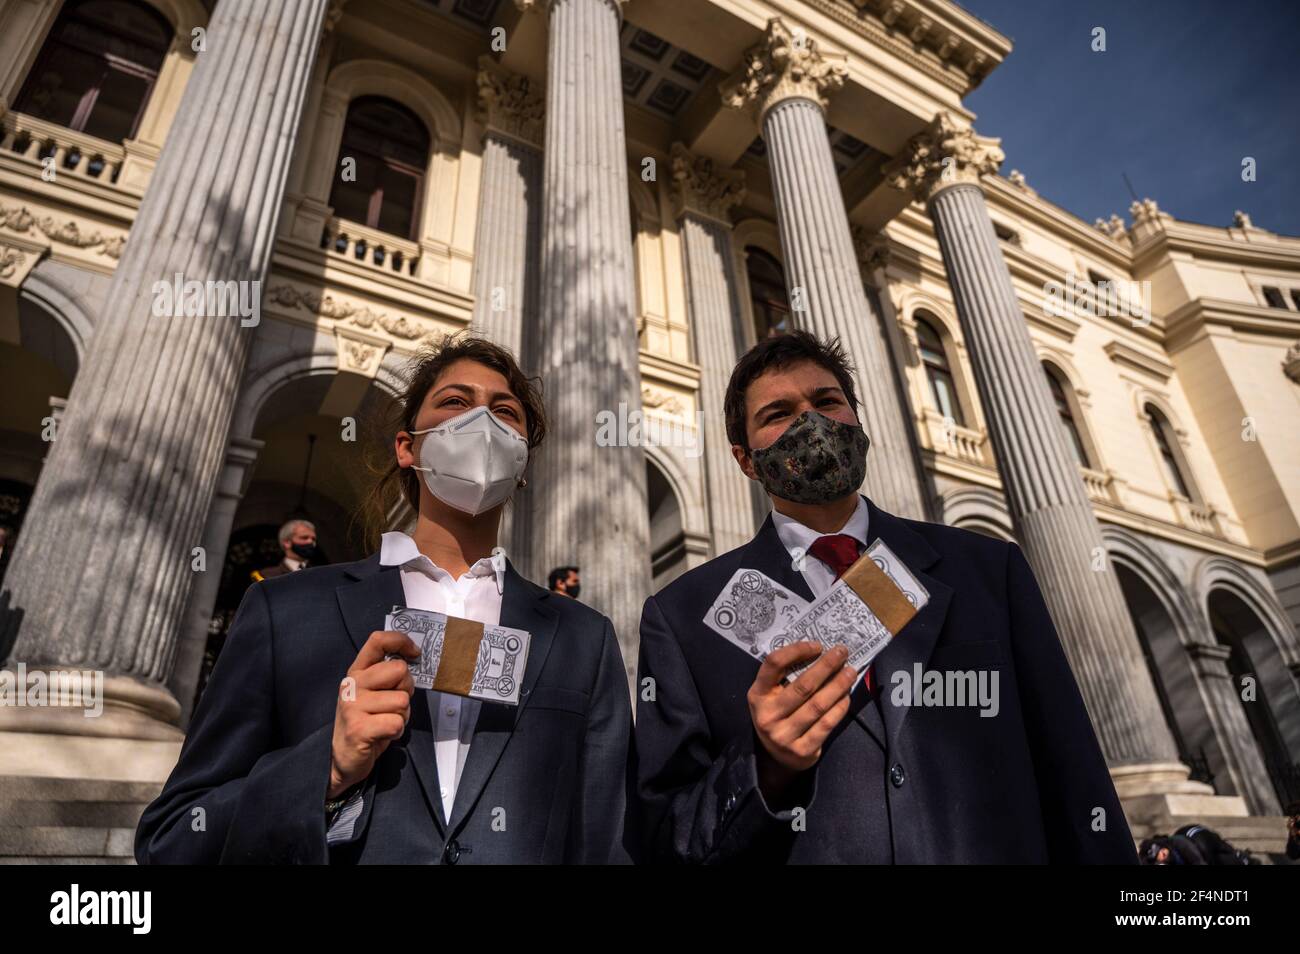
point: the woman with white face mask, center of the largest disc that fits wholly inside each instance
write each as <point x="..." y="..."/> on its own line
<point x="312" y="744"/>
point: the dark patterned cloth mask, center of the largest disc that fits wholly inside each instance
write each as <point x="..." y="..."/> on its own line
<point x="815" y="461"/>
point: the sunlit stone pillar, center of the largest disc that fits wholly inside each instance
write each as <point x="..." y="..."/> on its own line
<point x="702" y="196"/>
<point x="104" y="568"/>
<point x="587" y="502"/>
<point x="785" y="84"/>
<point x="1045" y="493"/>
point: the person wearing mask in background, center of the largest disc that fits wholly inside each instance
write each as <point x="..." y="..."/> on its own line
<point x="565" y="581"/>
<point x="311" y="744"/>
<point x="298" y="541"/>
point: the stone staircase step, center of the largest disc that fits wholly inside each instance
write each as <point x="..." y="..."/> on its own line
<point x="47" y="841"/>
<point x="65" y="860"/>
<point x="35" y="788"/>
<point x="73" y="814"/>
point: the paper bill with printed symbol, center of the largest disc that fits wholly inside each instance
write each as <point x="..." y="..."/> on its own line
<point x="752" y="612"/>
<point x="863" y="610"/>
<point x="464" y="657"/>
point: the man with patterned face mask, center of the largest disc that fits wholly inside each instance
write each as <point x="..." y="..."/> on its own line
<point x="765" y="749"/>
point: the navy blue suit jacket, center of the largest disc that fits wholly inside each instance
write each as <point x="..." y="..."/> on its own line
<point x="544" y="782"/>
<point x="894" y="783"/>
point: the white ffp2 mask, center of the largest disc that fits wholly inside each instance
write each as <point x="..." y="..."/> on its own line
<point x="472" y="461"/>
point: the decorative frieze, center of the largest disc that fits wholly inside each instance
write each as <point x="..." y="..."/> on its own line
<point x="412" y="334"/>
<point x="67" y="231"/>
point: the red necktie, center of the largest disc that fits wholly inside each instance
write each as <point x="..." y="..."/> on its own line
<point x="839" y="551"/>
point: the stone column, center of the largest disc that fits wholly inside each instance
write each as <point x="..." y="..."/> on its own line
<point x="1044" y="490"/>
<point x="702" y="196"/>
<point x="784" y="84"/>
<point x="1237" y="743"/>
<point x="507" y="245"/>
<point x="588" y="502"/>
<point x="241" y="461"/>
<point x="102" y="574"/>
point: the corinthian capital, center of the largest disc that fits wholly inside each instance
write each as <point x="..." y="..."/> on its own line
<point x="785" y="64"/>
<point x="945" y="154"/>
<point x="700" y="186"/>
<point x="509" y="103"/>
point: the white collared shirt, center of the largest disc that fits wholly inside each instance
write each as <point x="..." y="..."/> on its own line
<point x="797" y="539"/>
<point x="475" y="595"/>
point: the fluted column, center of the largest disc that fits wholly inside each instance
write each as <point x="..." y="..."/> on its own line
<point x="1055" y="523"/>
<point x="588" y="502"/>
<point x="1237" y="743"/>
<point x="702" y="196"/>
<point x="785" y="84"/>
<point x="192" y="642"/>
<point x="507" y="245"/>
<point x="105" y="565"/>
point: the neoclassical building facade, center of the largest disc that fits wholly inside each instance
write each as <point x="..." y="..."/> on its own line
<point x="628" y="194"/>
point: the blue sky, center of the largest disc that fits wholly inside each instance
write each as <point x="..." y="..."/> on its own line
<point x="1184" y="91"/>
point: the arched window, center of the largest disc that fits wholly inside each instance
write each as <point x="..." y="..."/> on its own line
<point x="97" y="68"/>
<point x="1162" y="433"/>
<point x="391" y="149"/>
<point x="937" y="371"/>
<point x="1066" y="413"/>
<point x="767" y="294"/>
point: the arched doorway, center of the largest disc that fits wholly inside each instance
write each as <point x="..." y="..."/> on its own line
<point x="313" y="465"/>
<point x="668" y="545"/>
<point x="38" y="361"/>
<point x="1175" y="683"/>
<point x="1265" y="687"/>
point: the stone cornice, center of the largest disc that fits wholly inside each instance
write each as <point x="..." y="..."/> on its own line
<point x="945" y="154"/>
<point x="699" y="186"/>
<point x="1200" y="542"/>
<point x="1183" y="322"/>
<point x="785" y="64"/>
<point x="937" y="38"/>
<point x="668" y="370"/>
<point x="543" y="6"/>
<point x="1058" y="222"/>
<point x="1207" y="242"/>
<point x="510" y="103"/>
<point x="1125" y="354"/>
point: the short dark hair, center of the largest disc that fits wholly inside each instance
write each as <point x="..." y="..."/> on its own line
<point x="559" y="573"/>
<point x="781" y="351"/>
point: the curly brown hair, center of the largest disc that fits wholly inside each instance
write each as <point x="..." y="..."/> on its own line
<point x="395" y="483"/>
